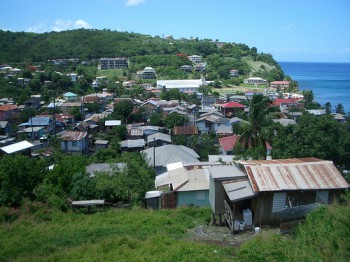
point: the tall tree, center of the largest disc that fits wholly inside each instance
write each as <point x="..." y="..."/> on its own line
<point x="253" y="130"/>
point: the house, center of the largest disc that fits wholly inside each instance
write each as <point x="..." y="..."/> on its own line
<point x="186" y="68"/>
<point x="39" y="121"/>
<point x="33" y="133"/>
<point x="285" y="103"/>
<point x="113" y="63"/>
<point x="70" y="97"/>
<point x="185" y="130"/>
<point x="191" y="187"/>
<point x="159" y="157"/>
<point x="280" y="84"/>
<point x="224" y="131"/>
<point x="110" y="124"/>
<point x="135" y="133"/>
<point x="231" y="108"/>
<point x="195" y="59"/>
<point x="158" y="139"/>
<point x="317" y="112"/>
<point x="33" y="102"/>
<point x="147" y="73"/>
<point x="228" y="143"/>
<point x="339" y="117"/>
<point x="23" y="147"/>
<point x="210" y="122"/>
<point x="255" y="80"/>
<point x="217" y="195"/>
<point x="101" y="144"/>
<point x="233" y="73"/>
<point x="5" y="128"/>
<point x="149" y="130"/>
<point x="74" y="142"/>
<point x="73" y="77"/>
<point x="132" y="145"/>
<point x="186" y="85"/>
<point x="66" y="107"/>
<point x="276" y="191"/>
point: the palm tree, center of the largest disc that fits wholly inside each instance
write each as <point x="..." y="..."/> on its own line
<point x="253" y="129"/>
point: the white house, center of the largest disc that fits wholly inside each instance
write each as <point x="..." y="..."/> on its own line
<point x="255" y="80"/>
<point x="187" y="85"/>
<point x="195" y="59"/>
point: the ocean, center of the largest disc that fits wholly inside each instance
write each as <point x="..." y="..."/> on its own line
<point x="330" y="82"/>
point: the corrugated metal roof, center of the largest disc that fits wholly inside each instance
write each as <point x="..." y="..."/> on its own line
<point x="158" y="136"/>
<point x="133" y="143"/>
<point x="73" y="135"/>
<point x="293" y="174"/>
<point x="238" y="189"/>
<point x="17" y="147"/>
<point x="220" y="172"/>
<point x="185" y="130"/>
<point x="184" y="180"/>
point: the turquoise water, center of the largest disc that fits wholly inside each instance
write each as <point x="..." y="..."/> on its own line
<point x="330" y="82"/>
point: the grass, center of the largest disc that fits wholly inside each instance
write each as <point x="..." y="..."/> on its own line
<point x="117" y="234"/>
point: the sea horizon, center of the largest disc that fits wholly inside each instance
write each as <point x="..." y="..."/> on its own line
<point x="329" y="81"/>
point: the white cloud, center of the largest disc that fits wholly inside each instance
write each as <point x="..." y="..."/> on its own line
<point x="39" y="28"/>
<point x="62" y="25"/>
<point x="134" y="2"/>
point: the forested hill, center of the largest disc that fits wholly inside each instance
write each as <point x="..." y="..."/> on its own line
<point x="86" y="44"/>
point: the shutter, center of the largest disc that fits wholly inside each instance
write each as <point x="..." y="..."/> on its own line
<point x="279" y="201"/>
<point x="322" y="196"/>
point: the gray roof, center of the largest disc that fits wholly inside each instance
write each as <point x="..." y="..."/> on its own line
<point x="101" y="142"/>
<point x="159" y="136"/>
<point x="105" y="167"/>
<point x="3" y="124"/>
<point x="238" y="189"/>
<point x="224" y="130"/>
<point x="170" y="154"/>
<point x="133" y="143"/>
<point x="285" y="121"/>
<point x="221" y="172"/>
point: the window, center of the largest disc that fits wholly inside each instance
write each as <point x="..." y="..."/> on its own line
<point x="74" y="143"/>
<point x="279" y="201"/>
<point x="200" y="195"/>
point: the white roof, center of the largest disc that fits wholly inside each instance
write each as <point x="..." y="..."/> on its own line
<point x="151" y="194"/>
<point x="187" y="83"/>
<point x="113" y="122"/>
<point x="173" y="166"/>
<point x="17" y="147"/>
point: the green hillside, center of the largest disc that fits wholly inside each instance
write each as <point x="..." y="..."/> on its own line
<point x="164" y="54"/>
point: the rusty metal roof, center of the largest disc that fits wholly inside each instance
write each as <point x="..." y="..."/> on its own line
<point x="73" y="135"/>
<point x="293" y="174"/>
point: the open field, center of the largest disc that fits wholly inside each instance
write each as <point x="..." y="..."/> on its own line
<point x="114" y="235"/>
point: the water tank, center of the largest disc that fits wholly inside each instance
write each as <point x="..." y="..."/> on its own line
<point x="236" y="225"/>
<point x="247" y="217"/>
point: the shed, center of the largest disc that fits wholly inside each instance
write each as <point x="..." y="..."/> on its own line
<point x="153" y="199"/>
<point x="17" y="147"/>
<point x="101" y="144"/>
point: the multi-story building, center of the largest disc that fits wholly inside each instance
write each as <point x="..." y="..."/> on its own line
<point x="195" y="59"/>
<point x="147" y="73"/>
<point x="113" y="63"/>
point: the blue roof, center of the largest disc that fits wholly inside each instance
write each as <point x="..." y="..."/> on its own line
<point x="69" y="94"/>
<point x="38" y="121"/>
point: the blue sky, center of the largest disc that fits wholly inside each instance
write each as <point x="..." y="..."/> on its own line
<point x="298" y="30"/>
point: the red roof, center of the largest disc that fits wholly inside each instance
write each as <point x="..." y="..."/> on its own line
<point x="280" y="83"/>
<point x="185" y="130"/>
<point x="7" y="107"/>
<point x="280" y="101"/>
<point x="228" y="143"/>
<point x="232" y="105"/>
